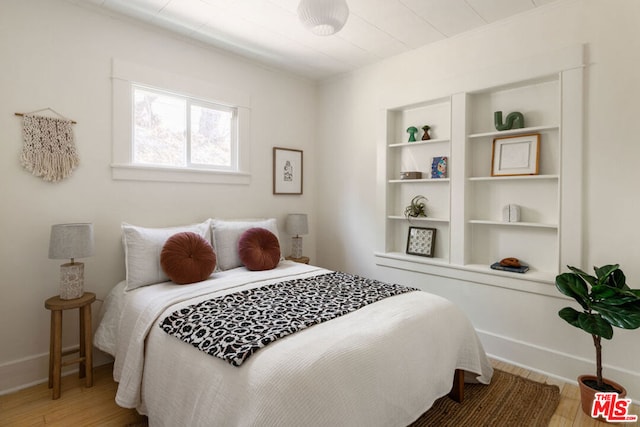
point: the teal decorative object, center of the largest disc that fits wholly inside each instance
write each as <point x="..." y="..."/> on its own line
<point x="412" y="133"/>
<point x="514" y="120"/>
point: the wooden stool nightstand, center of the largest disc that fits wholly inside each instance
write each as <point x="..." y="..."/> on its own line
<point x="302" y="259"/>
<point x="57" y="306"/>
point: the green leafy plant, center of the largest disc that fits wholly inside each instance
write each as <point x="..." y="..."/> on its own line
<point x="417" y="208"/>
<point x="606" y="301"/>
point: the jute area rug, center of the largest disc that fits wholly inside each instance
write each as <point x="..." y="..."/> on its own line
<point x="509" y="400"/>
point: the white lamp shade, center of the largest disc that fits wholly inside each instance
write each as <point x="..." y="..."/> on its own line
<point x="323" y="17"/>
<point x="70" y="241"/>
<point x="296" y="224"/>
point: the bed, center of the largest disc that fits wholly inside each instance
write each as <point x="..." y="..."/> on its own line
<point x="381" y="365"/>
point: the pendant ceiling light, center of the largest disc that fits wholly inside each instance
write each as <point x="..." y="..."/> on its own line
<point x="323" y="17"/>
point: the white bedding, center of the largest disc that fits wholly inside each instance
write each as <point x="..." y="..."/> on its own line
<point x="382" y="365"/>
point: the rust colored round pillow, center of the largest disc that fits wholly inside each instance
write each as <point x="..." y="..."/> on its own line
<point x="187" y="258"/>
<point x="259" y="249"/>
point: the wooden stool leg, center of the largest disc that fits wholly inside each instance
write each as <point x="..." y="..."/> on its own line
<point x="82" y="366"/>
<point x="52" y="337"/>
<point x="86" y="343"/>
<point x="56" y="325"/>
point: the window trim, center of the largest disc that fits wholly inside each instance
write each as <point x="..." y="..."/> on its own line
<point x="124" y="76"/>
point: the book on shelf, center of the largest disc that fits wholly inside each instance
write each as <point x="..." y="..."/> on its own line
<point x="522" y="269"/>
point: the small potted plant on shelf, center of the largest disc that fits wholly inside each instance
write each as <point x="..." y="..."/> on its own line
<point x="417" y="208"/>
<point x="606" y="301"/>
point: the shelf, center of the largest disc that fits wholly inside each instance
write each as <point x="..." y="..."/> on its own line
<point x="532" y="274"/>
<point x="414" y="258"/>
<point x="514" y="131"/>
<point x="514" y="224"/>
<point x="533" y="281"/>
<point x="420" y="142"/>
<point x="515" y="178"/>
<point x="407" y="181"/>
<point x="426" y="219"/>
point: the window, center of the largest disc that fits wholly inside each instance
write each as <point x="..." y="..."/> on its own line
<point x="174" y="130"/>
<point x="163" y="132"/>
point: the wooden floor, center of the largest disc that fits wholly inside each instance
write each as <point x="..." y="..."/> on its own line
<point x="95" y="406"/>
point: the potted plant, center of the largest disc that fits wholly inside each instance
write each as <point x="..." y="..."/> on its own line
<point x="417" y="208"/>
<point x="606" y="301"/>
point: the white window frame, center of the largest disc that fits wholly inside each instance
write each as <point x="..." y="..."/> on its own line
<point x="127" y="75"/>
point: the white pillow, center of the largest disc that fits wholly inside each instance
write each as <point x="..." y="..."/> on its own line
<point x="226" y="234"/>
<point x="142" y="247"/>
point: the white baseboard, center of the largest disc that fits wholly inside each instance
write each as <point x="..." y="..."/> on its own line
<point x="552" y="363"/>
<point x="32" y="370"/>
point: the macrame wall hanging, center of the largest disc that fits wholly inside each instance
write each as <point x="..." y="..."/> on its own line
<point x="49" y="150"/>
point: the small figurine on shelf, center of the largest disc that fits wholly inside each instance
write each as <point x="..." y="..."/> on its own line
<point x="425" y="136"/>
<point x="513" y="265"/>
<point x="514" y="120"/>
<point x="412" y="133"/>
<point x="511" y="213"/>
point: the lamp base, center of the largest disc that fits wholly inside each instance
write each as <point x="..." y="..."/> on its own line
<point x="296" y="247"/>
<point x="71" y="280"/>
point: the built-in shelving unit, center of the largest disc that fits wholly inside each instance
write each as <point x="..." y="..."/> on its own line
<point x="535" y="238"/>
<point x="405" y="156"/>
<point x="466" y="207"/>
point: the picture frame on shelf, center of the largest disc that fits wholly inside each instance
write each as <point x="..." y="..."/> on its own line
<point x="439" y="167"/>
<point x="421" y="241"/>
<point x="287" y="171"/>
<point x="516" y="155"/>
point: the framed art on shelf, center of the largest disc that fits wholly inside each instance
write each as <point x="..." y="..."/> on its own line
<point x="516" y="155"/>
<point x="439" y="167"/>
<point x="421" y="241"/>
<point x="287" y="171"/>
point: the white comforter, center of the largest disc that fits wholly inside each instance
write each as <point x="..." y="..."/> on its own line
<point x="382" y="365"/>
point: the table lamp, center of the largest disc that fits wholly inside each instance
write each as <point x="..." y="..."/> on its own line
<point x="295" y="225"/>
<point x="70" y="241"/>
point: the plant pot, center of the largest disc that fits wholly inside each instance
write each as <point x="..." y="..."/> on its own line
<point x="587" y="394"/>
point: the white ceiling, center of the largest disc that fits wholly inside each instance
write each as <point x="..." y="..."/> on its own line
<point x="269" y="30"/>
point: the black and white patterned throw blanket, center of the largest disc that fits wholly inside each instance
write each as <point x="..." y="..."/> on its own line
<point x="235" y="326"/>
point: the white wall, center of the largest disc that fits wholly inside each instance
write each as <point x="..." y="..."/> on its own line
<point x="55" y="54"/>
<point x="520" y="327"/>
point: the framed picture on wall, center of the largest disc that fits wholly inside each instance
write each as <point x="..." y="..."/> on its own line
<point x="516" y="155"/>
<point x="421" y="241"/>
<point x="287" y="171"/>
